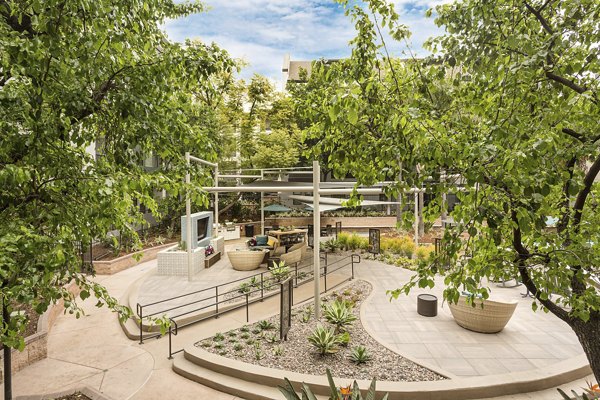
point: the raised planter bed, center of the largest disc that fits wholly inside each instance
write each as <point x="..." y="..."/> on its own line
<point x="211" y="260"/>
<point x="111" y="267"/>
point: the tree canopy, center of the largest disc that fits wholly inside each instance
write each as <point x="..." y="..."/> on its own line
<point x="508" y="102"/>
<point x="88" y="90"/>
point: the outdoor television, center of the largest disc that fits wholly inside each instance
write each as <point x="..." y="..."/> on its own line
<point x="202" y="225"/>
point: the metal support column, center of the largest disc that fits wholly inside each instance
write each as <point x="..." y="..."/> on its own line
<point x="188" y="218"/>
<point x="416" y="197"/>
<point x="317" y="237"/>
<point x="262" y="205"/>
<point x="216" y="201"/>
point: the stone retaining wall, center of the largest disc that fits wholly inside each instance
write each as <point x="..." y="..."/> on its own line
<point x="36" y="345"/>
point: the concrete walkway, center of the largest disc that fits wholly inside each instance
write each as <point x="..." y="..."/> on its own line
<point x="94" y="351"/>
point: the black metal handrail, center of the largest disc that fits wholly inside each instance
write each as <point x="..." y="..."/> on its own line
<point x="262" y="292"/>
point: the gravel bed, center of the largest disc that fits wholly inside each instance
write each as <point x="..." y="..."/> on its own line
<point x="251" y="345"/>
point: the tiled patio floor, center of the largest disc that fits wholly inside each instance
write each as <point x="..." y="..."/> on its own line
<point x="529" y="340"/>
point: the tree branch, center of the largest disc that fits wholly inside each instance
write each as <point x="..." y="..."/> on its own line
<point x="588" y="181"/>
<point x="574" y="134"/>
<point x="566" y="82"/>
<point x="564" y="221"/>
<point x="522" y="256"/>
<point x="540" y="18"/>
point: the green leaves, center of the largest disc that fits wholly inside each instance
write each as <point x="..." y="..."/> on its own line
<point x="79" y="114"/>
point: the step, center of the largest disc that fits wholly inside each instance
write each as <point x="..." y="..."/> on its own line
<point x="225" y="383"/>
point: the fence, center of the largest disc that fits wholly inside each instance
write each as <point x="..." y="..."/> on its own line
<point x="266" y="284"/>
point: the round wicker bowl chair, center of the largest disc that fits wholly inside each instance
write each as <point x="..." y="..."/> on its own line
<point x="491" y="318"/>
<point x="245" y="260"/>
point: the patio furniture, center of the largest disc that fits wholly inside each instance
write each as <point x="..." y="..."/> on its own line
<point x="281" y="235"/>
<point x="291" y="258"/>
<point x="246" y="260"/>
<point x="302" y="246"/>
<point x="270" y="243"/>
<point x="491" y="318"/>
<point x="427" y="305"/>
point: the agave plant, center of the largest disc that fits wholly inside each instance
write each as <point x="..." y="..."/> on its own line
<point x="360" y="355"/>
<point x="339" y="313"/>
<point x="342" y="393"/>
<point x="324" y="339"/>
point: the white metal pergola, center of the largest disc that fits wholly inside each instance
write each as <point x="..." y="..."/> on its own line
<point x="316" y="191"/>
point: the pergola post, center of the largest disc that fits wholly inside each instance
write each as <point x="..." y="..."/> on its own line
<point x="262" y="205"/>
<point x="317" y="237"/>
<point x="416" y="218"/>
<point x="216" y="200"/>
<point x="188" y="218"/>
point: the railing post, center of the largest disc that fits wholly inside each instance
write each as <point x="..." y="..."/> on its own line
<point x="296" y="281"/>
<point x="140" y="313"/>
<point x="216" y="302"/>
<point x="247" y="309"/>
<point x="325" y="273"/>
<point x="262" y="286"/>
<point x="170" y="344"/>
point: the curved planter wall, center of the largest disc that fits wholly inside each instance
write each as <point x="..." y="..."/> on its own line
<point x="36" y="345"/>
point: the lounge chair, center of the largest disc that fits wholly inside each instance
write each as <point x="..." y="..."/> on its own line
<point x="491" y="318"/>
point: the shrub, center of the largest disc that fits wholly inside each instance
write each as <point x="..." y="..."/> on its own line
<point x="278" y="350"/>
<point x="360" y="355"/>
<point x="280" y="271"/>
<point x="307" y="314"/>
<point x="343" y="238"/>
<point x="258" y="352"/>
<point x="265" y="325"/>
<point x="424" y="252"/>
<point x="238" y="347"/>
<point x="245" y="328"/>
<point x="218" y="337"/>
<point x="272" y="338"/>
<point x="245" y="335"/>
<point x="244" y="288"/>
<point x="336" y="393"/>
<point x="331" y="245"/>
<point x="343" y="339"/>
<point x="324" y="340"/>
<point x="339" y="313"/>
<point x="363" y="244"/>
<point x="354" y="242"/>
<point x="401" y="245"/>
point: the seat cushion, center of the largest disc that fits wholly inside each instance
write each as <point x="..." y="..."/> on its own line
<point x="271" y="242"/>
<point x="262" y="240"/>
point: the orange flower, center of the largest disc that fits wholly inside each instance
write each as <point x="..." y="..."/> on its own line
<point x="346" y="392"/>
<point x="592" y="389"/>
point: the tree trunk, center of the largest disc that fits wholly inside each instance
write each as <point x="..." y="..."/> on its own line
<point x="588" y="334"/>
<point x="7" y="357"/>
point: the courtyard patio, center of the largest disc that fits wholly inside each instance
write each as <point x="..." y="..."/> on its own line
<point x="120" y="368"/>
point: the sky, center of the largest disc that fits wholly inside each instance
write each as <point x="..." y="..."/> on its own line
<point x="262" y="31"/>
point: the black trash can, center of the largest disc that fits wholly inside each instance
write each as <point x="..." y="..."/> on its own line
<point x="249" y="230"/>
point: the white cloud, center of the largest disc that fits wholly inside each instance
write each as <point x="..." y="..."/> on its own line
<point x="263" y="31"/>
